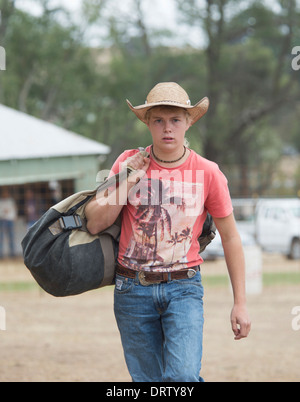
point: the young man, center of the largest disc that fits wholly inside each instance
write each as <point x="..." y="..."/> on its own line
<point x="158" y="292"/>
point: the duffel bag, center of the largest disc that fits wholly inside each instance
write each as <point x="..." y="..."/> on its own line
<point x="63" y="257"/>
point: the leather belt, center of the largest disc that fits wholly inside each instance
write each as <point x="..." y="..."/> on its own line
<point x="149" y="278"/>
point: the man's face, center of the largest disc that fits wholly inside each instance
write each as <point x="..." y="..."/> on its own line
<point x="168" y="128"/>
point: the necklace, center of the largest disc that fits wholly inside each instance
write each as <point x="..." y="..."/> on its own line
<point x="160" y="160"/>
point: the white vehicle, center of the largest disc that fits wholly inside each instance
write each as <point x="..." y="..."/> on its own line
<point x="215" y="249"/>
<point x="277" y="226"/>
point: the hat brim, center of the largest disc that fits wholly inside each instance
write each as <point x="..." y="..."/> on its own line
<point x="196" y="112"/>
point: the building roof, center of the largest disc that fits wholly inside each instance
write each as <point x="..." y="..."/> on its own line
<point x="26" y="137"/>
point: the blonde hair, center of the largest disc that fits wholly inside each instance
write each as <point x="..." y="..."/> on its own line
<point x="167" y="108"/>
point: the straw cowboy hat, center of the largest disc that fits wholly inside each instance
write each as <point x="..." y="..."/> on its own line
<point x="170" y="94"/>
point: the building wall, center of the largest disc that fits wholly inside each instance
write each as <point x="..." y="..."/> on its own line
<point x="82" y="169"/>
<point x="73" y="174"/>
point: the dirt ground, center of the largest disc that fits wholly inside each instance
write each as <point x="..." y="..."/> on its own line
<point x="76" y="339"/>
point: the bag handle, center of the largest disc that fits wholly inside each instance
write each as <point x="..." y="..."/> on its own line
<point x="116" y="179"/>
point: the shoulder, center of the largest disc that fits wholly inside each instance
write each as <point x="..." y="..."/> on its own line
<point x="122" y="158"/>
<point x="214" y="178"/>
<point x="203" y="163"/>
<point x="127" y="154"/>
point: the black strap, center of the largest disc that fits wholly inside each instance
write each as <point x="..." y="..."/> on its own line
<point x="73" y="210"/>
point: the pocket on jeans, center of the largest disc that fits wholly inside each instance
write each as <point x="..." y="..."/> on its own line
<point x="195" y="281"/>
<point x="123" y="285"/>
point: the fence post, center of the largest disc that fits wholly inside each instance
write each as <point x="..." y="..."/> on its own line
<point x="254" y="278"/>
<point x="2" y="319"/>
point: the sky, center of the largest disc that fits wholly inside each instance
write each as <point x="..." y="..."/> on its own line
<point x="155" y="8"/>
<point x="160" y="14"/>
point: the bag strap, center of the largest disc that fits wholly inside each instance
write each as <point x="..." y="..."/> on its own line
<point x="109" y="259"/>
<point x="116" y="179"/>
<point x="208" y="234"/>
<point x="77" y="206"/>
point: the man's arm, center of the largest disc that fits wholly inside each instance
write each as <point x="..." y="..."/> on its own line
<point x="102" y="211"/>
<point x="235" y="261"/>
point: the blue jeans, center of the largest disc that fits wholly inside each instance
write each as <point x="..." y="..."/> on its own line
<point x="7" y="228"/>
<point x="161" y="328"/>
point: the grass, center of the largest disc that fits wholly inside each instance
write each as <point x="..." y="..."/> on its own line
<point x="269" y="279"/>
<point x="281" y="278"/>
<point x="18" y="286"/>
<point x="215" y="280"/>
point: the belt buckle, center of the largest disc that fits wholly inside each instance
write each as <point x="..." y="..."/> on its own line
<point x="142" y="279"/>
<point x="191" y="273"/>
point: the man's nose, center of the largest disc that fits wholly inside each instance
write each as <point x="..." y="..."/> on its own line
<point x="167" y="127"/>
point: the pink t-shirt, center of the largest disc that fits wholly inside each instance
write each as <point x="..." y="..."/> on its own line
<point x="165" y="213"/>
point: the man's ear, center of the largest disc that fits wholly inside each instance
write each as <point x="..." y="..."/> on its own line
<point x="189" y="125"/>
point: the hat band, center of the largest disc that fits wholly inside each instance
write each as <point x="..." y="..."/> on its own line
<point x="188" y="102"/>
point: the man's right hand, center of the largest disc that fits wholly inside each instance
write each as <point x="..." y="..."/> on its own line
<point x="137" y="162"/>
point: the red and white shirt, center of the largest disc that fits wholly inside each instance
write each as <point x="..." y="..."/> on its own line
<point x="165" y="213"/>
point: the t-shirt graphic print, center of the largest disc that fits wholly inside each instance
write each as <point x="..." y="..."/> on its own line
<point x="165" y="212"/>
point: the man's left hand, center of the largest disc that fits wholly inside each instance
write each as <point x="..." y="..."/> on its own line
<point x="240" y="322"/>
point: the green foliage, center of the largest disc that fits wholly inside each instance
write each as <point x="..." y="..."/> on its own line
<point x="244" y="68"/>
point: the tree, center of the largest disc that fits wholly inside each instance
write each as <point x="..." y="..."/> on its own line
<point x="244" y="68"/>
<point x="248" y="75"/>
<point x="50" y="72"/>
